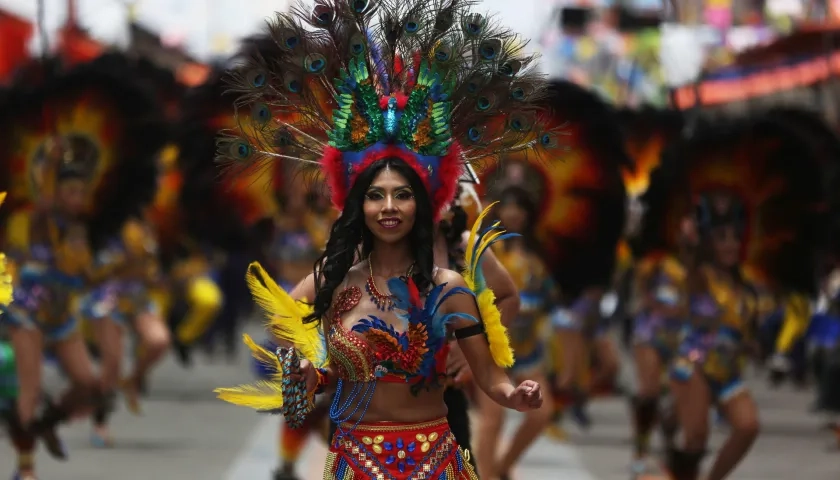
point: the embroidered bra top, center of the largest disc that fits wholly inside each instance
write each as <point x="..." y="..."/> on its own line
<point x="379" y="353"/>
<point x="722" y="305"/>
<point x="374" y="350"/>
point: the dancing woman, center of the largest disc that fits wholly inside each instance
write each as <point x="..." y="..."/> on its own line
<point x="660" y="316"/>
<point x="64" y="139"/>
<point x="415" y="97"/>
<point x="452" y="233"/>
<point x="723" y="175"/>
<point x="537" y="297"/>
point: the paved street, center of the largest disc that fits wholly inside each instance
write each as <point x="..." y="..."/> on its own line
<point x="186" y="434"/>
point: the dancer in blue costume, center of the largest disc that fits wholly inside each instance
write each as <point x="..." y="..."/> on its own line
<point x="722" y="174"/>
<point x="71" y="146"/>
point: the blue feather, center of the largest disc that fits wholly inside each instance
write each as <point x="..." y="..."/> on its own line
<point x="432" y="310"/>
<point x="399" y="293"/>
<point x="432" y="298"/>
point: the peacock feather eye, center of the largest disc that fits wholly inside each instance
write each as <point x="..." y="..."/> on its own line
<point x="521" y="122"/>
<point x="474" y="134"/>
<point x="473" y="24"/>
<point x="411" y="26"/>
<point x="359" y="6"/>
<point x="323" y="15"/>
<point x="283" y="138"/>
<point x="257" y="78"/>
<point x="357" y="44"/>
<point x="288" y="39"/>
<point x="485" y="102"/>
<point x="314" y="63"/>
<point x="260" y="114"/>
<point x="489" y="49"/>
<point x="548" y="140"/>
<point x="240" y="150"/>
<point x="443" y="53"/>
<point x="510" y="68"/>
<point x="517" y="93"/>
<point x="293" y="85"/>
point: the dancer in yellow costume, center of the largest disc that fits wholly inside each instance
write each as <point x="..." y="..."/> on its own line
<point x="583" y="208"/>
<point x="529" y="330"/>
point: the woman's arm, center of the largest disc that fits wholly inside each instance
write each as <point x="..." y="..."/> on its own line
<point x="325" y="378"/>
<point x="499" y="280"/>
<point x="489" y="376"/>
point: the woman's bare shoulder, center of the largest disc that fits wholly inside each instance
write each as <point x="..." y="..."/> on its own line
<point x="450" y="277"/>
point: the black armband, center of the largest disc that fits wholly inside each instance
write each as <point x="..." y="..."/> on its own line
<point x="470" y="331"/>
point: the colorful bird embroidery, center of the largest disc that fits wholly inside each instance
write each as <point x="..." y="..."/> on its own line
<point x="412" y="353"/>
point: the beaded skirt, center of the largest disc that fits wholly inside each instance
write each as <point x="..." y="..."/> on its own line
<point x="397" y="451"/>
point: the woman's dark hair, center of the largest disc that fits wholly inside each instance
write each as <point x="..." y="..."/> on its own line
<point x="453" y="229"/>
<point x="697" y="282"/>
<point x="521" y="198"/>
<point x="349" y="232"/>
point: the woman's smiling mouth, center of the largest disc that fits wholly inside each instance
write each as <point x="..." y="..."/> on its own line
<point x="390" y="222"/>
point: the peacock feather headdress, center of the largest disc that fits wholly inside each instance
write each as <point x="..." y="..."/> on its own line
<point x="350" y="82"/>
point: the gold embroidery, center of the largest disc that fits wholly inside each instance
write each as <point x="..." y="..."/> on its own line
<point x="433" y="437"/>
<point x="332" y="457"/>
<point x="420" y="437"/>
<point x="377" y="449"/>
<point x="367" y="440"/>
<point x="390" y="428"/>
<point x="425" y="447"/>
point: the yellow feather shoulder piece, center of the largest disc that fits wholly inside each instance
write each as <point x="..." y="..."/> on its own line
<point x="477" y="244"/>
<point x="285" y="316"/>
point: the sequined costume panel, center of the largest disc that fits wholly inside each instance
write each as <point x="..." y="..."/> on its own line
<point x="712" y="342"/>
<point x="660" y="280"/>
<point x="398" y="451"/>
<point x="351" y="354"/>
<point x="46" y="278"/>
<point x="118" y="299"/>
<point x="536" y="292"/>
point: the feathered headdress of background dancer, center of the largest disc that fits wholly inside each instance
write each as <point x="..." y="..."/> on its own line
<point x="224" y="210"/>
<point x="108" y="128"/>
<point x="582" y="203"/>
<point x="646" y="132"/>
<point x="426" y="81"/>
<point x="773" y="175"/>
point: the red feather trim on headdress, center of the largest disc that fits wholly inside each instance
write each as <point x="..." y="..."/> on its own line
<point x="449" y="170"/>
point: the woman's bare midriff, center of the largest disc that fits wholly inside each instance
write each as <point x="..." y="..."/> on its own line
<point x="394" y="402"/>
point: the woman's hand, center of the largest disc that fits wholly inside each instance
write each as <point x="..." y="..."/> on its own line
<point x="307" y="373"/>
<point x="527" y="396"/>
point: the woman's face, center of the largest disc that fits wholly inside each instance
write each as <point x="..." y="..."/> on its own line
<point x="71" y="195"/>
<point x="726" y="245"/>
<point x="688" y="232"/>
<point x="513" y="217"/>
<point x="389" y="207"/>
